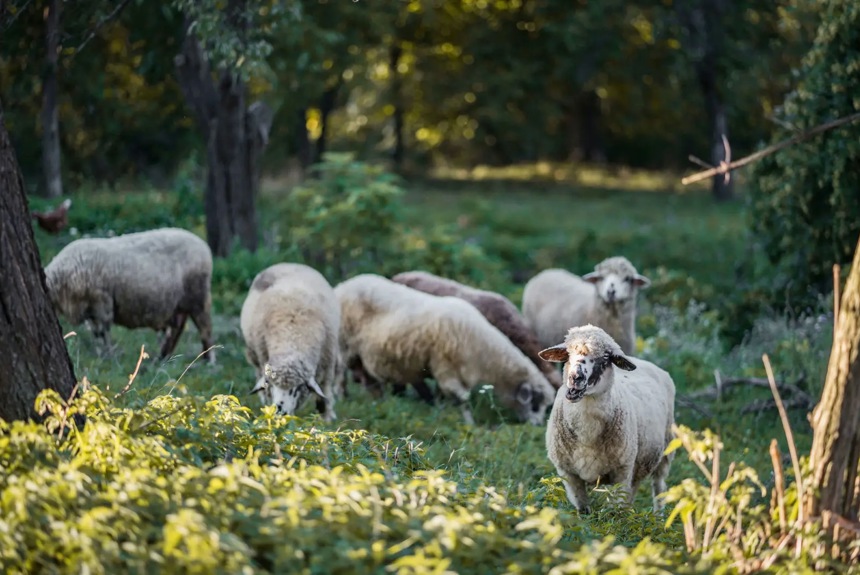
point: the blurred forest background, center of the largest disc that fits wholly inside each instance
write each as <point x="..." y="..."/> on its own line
<point x="119" y="94"/>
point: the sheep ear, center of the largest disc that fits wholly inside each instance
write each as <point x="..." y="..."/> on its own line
<point x="622" y="362"/>
<point x="557" y="353"/>
<point x="592" y="277"/>
<point x="524" y="394"/>
<point x="260" y="386"/>
<point x="312" y="383"/>
<point x="641" y="281"/>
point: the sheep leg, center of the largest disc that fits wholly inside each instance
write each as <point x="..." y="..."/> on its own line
<point x="658" y="482"/>
<point x="326" y="406"/>
<point x="203" y="321"/>
<point x="574" y="486"/>
<point x="453" y="387"/>
<point x="174" y="330"/>
<point x="624" y="477"/>
<point x="102" y="318"/>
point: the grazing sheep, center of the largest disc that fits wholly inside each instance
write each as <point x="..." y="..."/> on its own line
<point x="498" y="310"/>
<point x="401" y="334"/>
<point x="556" y="300"/>
<point x="291" y="321"/>
<point x="612" y="421"/>
<point x="154" y="279"/>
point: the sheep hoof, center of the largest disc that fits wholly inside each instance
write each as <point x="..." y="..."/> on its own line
<point x="584" y="510"/>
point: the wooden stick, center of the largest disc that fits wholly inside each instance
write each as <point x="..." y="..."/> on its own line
<point x="792" y="449"/>
<point x="729" y="166"/>
<point x="779" y="483"/>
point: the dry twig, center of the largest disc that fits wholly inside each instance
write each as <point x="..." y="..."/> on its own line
<point x="131" y="378"/>
<point x="726" y="167"/>
<point x="779" y="484"/>
<point x="792" y="448"/>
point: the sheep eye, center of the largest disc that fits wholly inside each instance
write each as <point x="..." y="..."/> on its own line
<point x="629" y="279"/>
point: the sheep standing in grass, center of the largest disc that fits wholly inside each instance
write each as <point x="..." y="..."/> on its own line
<point x="154" y="279"/>
<point x="401" y="334"/>
<point x="290" y="321"/>
<point x="556" y="300"/>
<point x="498" y="310"/>
<point x="612" y="420"/>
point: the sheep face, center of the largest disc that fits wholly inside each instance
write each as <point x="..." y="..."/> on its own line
<point x="616" y="280"/>
<point x="532" y="402"/>
<point x="587" y="353"/>
<point x="285" y="388"/>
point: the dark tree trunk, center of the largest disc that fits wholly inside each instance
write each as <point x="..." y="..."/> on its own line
<point x="397" y="101"/>
<point x="30" y="336"/>
<point x="235" y="136"/>
<point x="304" y="151"/>
<point x="50" y="121"/>
<point x="702" y="21"/>
<point x="835" y="454"/>
<point x="327" y="106"/>
<point x="589" y="128"/>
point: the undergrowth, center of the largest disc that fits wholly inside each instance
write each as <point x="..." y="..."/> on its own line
<point x="185" y="472"/>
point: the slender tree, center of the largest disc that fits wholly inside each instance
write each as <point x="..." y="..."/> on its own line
<point x="30" y="336"/>
<point x="51" y="167"/>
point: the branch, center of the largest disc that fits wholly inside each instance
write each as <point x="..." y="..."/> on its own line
<point x="114" y="13"/>
<point x="727" y="167"/>
<point x="715" y="391"/>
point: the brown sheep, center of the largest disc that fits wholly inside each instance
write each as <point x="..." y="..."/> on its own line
<point x="498" y="310"/>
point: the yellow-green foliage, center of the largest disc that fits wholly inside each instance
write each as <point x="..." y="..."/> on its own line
<point x="190" y="485"/>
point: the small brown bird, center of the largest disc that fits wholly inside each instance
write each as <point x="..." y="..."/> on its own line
<point x="55" y="220"/>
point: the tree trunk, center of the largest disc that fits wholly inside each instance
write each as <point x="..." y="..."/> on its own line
<point x="304" y="152"/>
<point x="702" y="22"/>
<point x="30" y="336"/>
<point x="835" y="454"/>
<point x="397" y="101"/>
<point x="235" y="136"/>
<point x="590" y="137"/>
<point x="50" y="121"/>
<point x="722" y="188"/>
<point x="327" y="106"/>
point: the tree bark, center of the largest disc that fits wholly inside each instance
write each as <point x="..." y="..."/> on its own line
<point x="235" y="137"/>
<point x="30" y="335"/>
<point x="397" y="101"/>
<point x="835" y="454"/>
<point x="51" y="167"/>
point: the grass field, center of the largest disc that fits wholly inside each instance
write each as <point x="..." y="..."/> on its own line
<point x="685" y="243"/>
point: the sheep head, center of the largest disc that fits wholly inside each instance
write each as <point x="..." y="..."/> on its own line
<point x="532" y="399"/>
<point x="588" y="352"/>
<point x="616" y="280"/>
<point x="285" y="385"/>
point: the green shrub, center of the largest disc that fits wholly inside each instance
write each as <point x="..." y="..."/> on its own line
<point x="344" y="218"/>
<point x="805" y="199"/>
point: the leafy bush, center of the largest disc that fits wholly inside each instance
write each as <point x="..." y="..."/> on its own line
<point x="349" y="219"/>
<point x="344" y="218"/>
<point x="202" y="486"/>
<point x="805" y="199"/>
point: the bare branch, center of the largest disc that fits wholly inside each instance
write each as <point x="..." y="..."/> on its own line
<point x="726" y="167"/>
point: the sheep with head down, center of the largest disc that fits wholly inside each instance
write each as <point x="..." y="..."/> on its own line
<point x="156" y="279"/>
<point x="498" y="310"/>
<point x="612" y="419"/>
<point x="402" y="335"/>
<point x="556" y="300"/>
<point x="290" y="321"/>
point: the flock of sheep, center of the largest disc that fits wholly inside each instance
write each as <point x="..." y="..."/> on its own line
<point x="611" y="415"/>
